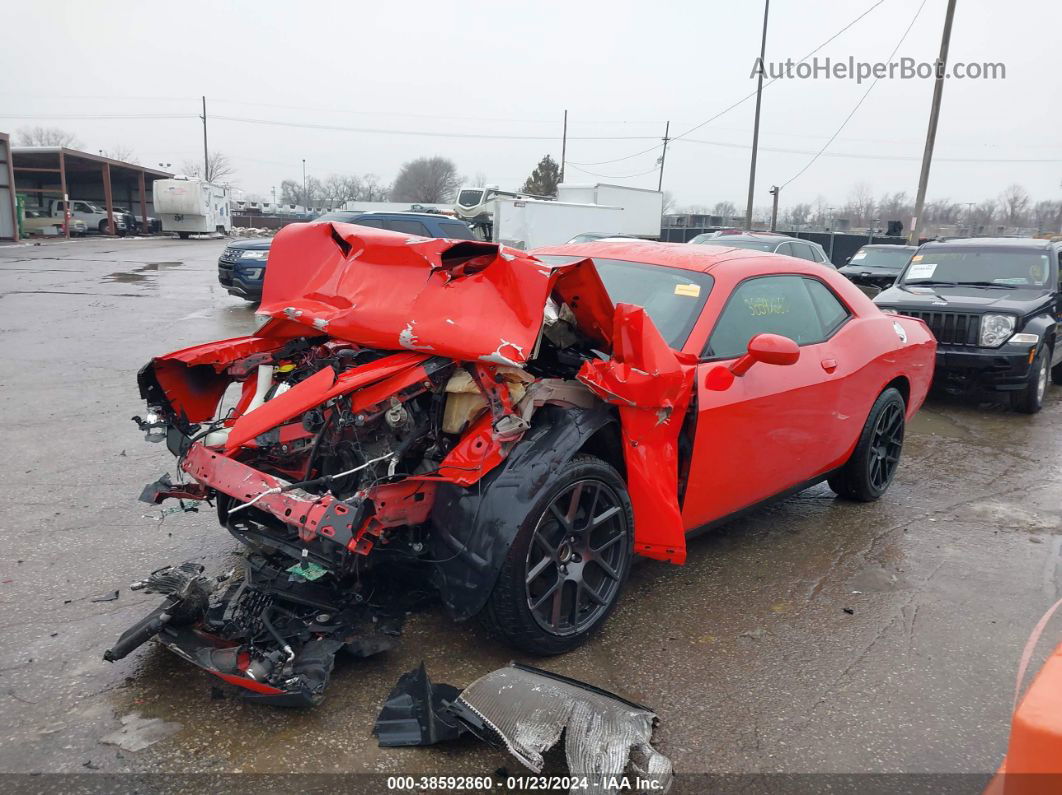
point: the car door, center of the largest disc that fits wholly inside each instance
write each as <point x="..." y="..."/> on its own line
<point x="776" y="426"/>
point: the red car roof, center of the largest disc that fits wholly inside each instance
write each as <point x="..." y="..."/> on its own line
<point x="673" y="255"/>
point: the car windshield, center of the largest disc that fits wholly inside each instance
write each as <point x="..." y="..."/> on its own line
<point x="980" y="265"/>
<point x="893" y="259"/>
<point x="672" y="297"/>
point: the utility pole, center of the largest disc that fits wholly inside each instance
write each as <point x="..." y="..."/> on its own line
<point x="931" y="133"/>
<point x="663" y="156"/>
<point x="830" y="252"/>
<point x="564" y="145"/>
<point x="206" y="155"/>
<point x="756" y="122"/>
<point x="775" y="190"/>
<point x="305" y="199"/>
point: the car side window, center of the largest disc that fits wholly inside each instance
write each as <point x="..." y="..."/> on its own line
<point x="456" y="231"/>
<point x="802" y="250"/>
<point x="766" y="304"/>
<point x="832" y="313"/>
<point x="784" y="249"/>
<point x="407" y="227"/>
<point x="374" y="223"/>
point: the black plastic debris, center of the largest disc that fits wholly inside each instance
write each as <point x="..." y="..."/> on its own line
<point x="415" y="712"/>
<point x="607" y="739"/>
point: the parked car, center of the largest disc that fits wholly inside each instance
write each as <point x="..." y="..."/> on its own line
<point x="241" y="266"/>
<point x="766" y="241"/>
<point x="507" y="429"/>
<point x="133" y="222"/>
<point x="877" y="265"/>
<point x="38" y="222"/>
<point x="993" y="305"/>
<point x="93" y="216"/>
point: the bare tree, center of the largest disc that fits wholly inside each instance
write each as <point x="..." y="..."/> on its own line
<point x="426" y="179"/>
<point x="983" y="215"/>
<point x="120" y="152"/>
<point x="860" y="205"/>
<point x="798" y="214"/>
<point x="1047" y="216"/>
<point x="219" y="167"/>
<point x="480" y="180"/>
<point x="725" y="210"/>
<point x="46" y="136"/>
<point x="1014" y="203"/>
<point x="894" y="207"/>
<point x="375" y="191"/>
<point x="942" y="211"/>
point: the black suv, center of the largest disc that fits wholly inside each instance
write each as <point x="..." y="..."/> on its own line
<point x="994" y="306"/>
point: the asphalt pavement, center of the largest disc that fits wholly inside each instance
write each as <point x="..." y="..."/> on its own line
<point x="810" y="636"/>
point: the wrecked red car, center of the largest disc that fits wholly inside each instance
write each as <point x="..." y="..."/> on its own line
<point x="502" y="430"/>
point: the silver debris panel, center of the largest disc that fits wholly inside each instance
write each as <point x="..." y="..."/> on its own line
<point x="605" y="737"/>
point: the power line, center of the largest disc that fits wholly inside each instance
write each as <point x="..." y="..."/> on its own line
<point x="858" y="104"/>
<point x="745" y="98"/>
<point x="431" y="134"/>
<point x="871" y="156"/>
<point x="615" y="176"/>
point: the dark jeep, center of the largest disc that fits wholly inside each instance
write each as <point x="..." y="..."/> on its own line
<point x="993" y="305"/>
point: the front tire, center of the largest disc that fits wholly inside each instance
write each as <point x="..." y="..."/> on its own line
<point x="567" y="566"/>
<point x="870" y="470"/>
<point x="1031" y="399"/>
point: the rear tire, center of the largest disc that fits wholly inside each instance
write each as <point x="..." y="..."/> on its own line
<point x="184" y="235"/>
<point x="872" y="466"/>
<point x="567" y="566"/>
<point x="1031" y="399"/>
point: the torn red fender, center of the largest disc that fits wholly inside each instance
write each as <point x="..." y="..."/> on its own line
<point x="324" y="385"/>
<point x="652" y="385"/>
<point x="194" y="379"/>
<point x="466" y="300"/>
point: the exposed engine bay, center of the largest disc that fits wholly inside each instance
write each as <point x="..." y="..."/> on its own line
<point x="374" y="441"/>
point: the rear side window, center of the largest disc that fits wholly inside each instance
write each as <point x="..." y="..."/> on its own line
<point x="802" y="250"/>
<point x="456" y="231"/>
<point x="407" y="227"/>
<point x="832" y="313"/>
<point x="374" y="223"/>
<point x="783" y="305"/>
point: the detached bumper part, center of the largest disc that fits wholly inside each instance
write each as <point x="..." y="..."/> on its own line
<point x="528" y="710"/>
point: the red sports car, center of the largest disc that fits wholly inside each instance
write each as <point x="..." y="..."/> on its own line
<point x="505" y="430"/>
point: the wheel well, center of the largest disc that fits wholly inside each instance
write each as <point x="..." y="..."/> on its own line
<point x="901" y="385"/>
<point x="607" y="445"/>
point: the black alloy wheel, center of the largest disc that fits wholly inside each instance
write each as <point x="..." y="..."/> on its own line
<point x="885" y="446"/>
<point x="575" y="561"/>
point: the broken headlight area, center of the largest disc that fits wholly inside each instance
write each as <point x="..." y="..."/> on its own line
<point x="527" y="711"/>
<point x="273" y="631"/>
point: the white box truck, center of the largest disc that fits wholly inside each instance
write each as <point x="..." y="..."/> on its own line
<point x="188" y="206"/>
<point x="642" y="207"/>
<point x="528" y="223"/>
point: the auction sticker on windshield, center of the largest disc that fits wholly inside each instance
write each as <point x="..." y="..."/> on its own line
<point x="921" y="270"/>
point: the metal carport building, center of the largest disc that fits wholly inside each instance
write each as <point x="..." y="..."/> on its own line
<point x="55" y="172"/>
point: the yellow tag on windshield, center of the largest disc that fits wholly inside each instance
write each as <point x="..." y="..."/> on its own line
<point x="691" y="290"/>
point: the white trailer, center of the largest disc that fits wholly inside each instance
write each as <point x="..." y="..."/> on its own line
<point x="642" y="207"/>
<point x="528" y="223"/>
<point x="187" y="206"/>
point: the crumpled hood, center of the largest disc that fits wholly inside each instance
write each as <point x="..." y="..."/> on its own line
<point x="467" y="300"/>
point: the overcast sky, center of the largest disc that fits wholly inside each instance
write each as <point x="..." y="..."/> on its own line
<point x="621" y="68"/>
